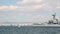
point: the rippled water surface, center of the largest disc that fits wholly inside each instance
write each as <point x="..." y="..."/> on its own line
<point x="29" y="30"/>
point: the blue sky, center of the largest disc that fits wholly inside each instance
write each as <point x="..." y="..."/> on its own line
<point x="8" y="2"/>
<point x="28" y="10"/>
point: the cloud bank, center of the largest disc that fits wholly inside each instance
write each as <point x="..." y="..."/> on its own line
<point x="29" y="10"/>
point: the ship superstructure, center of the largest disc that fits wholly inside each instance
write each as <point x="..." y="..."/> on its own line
<point x="54" y="20"/>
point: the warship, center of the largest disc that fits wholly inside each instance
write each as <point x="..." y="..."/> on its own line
<point x="53" y="22"/>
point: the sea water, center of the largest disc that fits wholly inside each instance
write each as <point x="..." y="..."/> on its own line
<point x="29" y="30"/>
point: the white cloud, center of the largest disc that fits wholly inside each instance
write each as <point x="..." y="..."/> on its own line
<point x="58" y="7"/>
<point x="29" y="1"/>
<point x="3" y="7"/>
<point x="40" y="18"/>
<point x="37" y="18"/>
<point x="21" y="8"/>
<point x="8" y="7"/>
<point x="22" y="17"/>
<point x="32" y="7"/>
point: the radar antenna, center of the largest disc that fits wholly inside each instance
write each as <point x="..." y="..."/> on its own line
<point x="54" y="15"/>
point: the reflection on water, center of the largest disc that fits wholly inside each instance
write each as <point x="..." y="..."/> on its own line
<point x="29" y="30"/>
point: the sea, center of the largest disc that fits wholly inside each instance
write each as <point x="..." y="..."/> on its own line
<point x="29" y="30"/>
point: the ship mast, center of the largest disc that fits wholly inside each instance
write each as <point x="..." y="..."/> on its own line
<point x="54" y="16"/>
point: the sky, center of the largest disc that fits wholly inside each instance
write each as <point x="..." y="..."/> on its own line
<point x="28" y="10"/>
